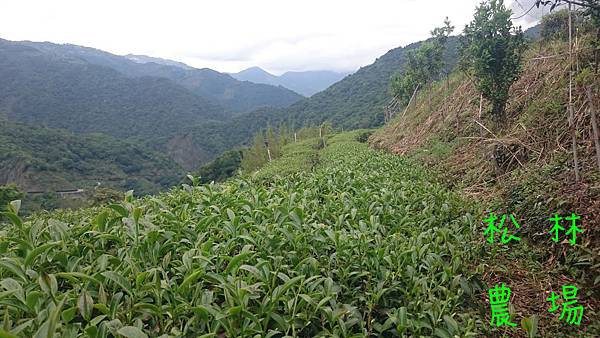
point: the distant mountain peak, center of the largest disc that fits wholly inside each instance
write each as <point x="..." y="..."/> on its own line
<point x="255" y="69"/>
<point x="304" y="82"/>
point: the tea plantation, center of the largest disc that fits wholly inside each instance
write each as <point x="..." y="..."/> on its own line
<point x="359" y="243"/>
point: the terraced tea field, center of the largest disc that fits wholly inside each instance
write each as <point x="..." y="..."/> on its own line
<point x="364" y="244"/>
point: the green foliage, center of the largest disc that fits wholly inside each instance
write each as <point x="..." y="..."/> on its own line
<point x="491" y="50"/>
<point x="364" y="245"/>
<point x="363" y="137"/>
<point x="423" y="65"/>
<point x="221" y="168"/>
<point x="52" y="159"/>
<point x="103" y="195"/>
<point x="555" y="25"/>
<point x="9" y="193"/>
<point x="44" y="89"/>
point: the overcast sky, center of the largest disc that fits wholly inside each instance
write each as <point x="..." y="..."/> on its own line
<point x="231" y="35"/>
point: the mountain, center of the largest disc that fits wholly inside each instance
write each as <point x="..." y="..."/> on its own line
<point x="44" y="159"/>
<point x="60" y="91"/>
<point x="233" y="95"/>
<point x="86" y="90"/>
<point x="257" y="75"/>
<point x="306" y="83"/>
<point x="147" y="59"/>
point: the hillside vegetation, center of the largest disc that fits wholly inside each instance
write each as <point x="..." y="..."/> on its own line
<point x="42" y="159"/>
<point x="44" y="89"/>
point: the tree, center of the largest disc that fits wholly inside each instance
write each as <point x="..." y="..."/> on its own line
<point x="490" y="51"/>
<point x="591" y="9"/>
<point x="423" y="65"/>
<point x="555" y="25"/>
<point x="9" y="193"/>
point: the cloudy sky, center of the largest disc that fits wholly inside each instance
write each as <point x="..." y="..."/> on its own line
<point x="231" y="35"/>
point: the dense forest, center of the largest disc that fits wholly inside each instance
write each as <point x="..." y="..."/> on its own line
<point x="40" y="159"/>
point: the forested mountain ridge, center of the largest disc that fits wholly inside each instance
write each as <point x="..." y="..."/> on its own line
<point x="233" y="95"/>
<point x="60" y="91"/>
<point x="90" y="91"/>
<point x="146" y="59"/>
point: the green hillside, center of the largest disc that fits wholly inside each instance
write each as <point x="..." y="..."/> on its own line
<point x="358" y="100"/>
<point x="43" y="159"/>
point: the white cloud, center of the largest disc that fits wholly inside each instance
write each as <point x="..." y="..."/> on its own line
<point x="527" y="13"/>
<point x="228" y="35"/>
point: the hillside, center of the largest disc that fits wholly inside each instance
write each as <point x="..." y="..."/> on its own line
<point x="89" y="91"/>
<point x="535" y="138"/>
<point x="306" y="83"/>
<point x="233" y="95"/>
<point x="522" y="166"/>
<point x="43" y="159"/>
<point x="290" y="250"/>
<point x="59" y="91"/>
<point x="147" y="59"/>
<point x="358" y="100"/>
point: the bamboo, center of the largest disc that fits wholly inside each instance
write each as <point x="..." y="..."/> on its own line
<point x="570" y="107"/>
<point x="594" y="124"/>
<point x="410" y="101"/>
<point x="479" y="116"/>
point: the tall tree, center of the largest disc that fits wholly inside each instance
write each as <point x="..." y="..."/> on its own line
<point x="491" y="50"/>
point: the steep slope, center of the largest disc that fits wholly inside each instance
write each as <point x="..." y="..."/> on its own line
<point x="233" y="95"/>
<point x="358" y="100"/>
<point x="59" y="91"/>
<point x="522" y="166"/>
<point x="306" y="83"/>
<point x="43" y="159"/>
